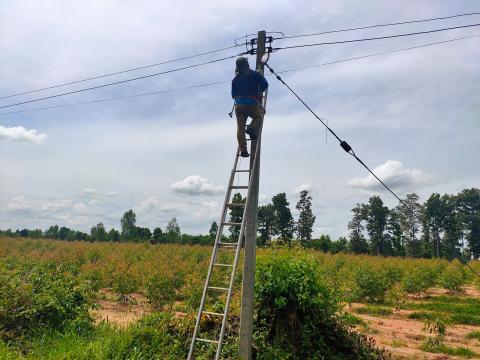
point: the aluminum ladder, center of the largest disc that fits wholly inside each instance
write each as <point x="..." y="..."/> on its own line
<point x="220" y="246"/>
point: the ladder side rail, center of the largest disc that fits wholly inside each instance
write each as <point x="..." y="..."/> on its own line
<point x="239" y="246"/>
<point x="218" y="237"/>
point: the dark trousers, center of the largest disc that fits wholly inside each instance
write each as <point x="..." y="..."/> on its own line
<point x="243" y="112"/>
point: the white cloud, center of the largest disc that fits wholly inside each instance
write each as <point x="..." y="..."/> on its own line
<point x="196" y="185"/>
<point x="112" y="193"/>
<point x="94" y="202"/>
<point x="19" y="133"/>
<point x="206" y="210"/>
<point x="307" y="186"/>
<point x="80" y="208"/>
<point x="88" y="191"/>
<point x="56" y="206"/>
<point x="395" y="175"/>
<point x="18" y="204"/>
<point x="147" y="205"/>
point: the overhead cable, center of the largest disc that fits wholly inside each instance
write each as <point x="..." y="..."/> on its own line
<point x="119" y="72"/>
<point x="344" y="145"/>
<point x="376" y="38"/>
<point x="123" y="81"/>
<point x="117" y="98"/>
<point x="227" y="81"/>
<point x="378" y="54"/>
<point x="378" y="25"/>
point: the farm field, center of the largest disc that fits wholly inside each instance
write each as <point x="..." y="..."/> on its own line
<point x="78" y="300"/>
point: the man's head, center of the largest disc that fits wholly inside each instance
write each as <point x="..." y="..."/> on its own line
<point x="242" y="65"/>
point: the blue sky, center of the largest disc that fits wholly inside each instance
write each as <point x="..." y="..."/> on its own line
<point x="414" y="116"/>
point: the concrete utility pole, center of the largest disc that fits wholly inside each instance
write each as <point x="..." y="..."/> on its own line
<point x="246" y="317"/>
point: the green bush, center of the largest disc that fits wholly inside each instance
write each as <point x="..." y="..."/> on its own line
<point x="296" y="313"/>
<point x="160" y="290"/>
<point x="371" y="284"/>
<point x="452" y="278"/>
<point x="418" y="280"/>
<point x="40" y="298"/>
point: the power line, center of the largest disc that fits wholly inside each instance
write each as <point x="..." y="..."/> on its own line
<point x="379" y="25"/>
<point x="375" y="38"/>
<point x="344" y="145"/>
<point x="117" y="98"/>
<point x="379" y="53"/>
<point x="227" y="81"/>
<point x="119" y="72"/>
<point x="227" y="48"/>
<point x="123" y="81"/>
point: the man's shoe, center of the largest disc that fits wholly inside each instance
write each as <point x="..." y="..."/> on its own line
<point x="251" y="132"/>
<point x="244" y="153"/>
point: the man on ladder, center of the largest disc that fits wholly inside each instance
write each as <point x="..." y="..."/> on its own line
<point x="246" y="89"/>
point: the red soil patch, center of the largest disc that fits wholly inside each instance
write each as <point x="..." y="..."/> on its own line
<point x="121" y="314"/>
<point x="402" y="336"/>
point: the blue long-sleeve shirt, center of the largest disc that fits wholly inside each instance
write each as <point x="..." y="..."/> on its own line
<point x="246" y="88"/>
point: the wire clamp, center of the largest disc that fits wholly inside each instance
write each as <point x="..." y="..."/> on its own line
<point x="345" y="146"/>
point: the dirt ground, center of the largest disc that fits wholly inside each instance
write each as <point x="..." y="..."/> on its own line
<point x="121" y="314"/>
<point x="398" y="334"/>
<point x="403" y="336"/>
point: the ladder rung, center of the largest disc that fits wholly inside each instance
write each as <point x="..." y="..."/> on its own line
<point x="225" y="265"/>
<point x="207" y="340"/>
<point x="227" y="243"/>
<point x="238" y="187"/>
<point x="232" y="224"/>
<point x="218" y="288"/>
<point x="242" y="170"/>
<point x="212" y="313"/>
<point x="236" y="205"/>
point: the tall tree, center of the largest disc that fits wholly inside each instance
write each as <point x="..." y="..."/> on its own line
<point x="376" y="217"/>
<point x="468" y="204"/>
<point x="63" y="233"/>
<point x="452" y="228"/>
<point x="266" y="220"/>
<point x="98" y="232"/>
<point x="212" y="233"/>
<point x="306" y="219"/>
<point x="142" y="234"/>
<point x="128" y="222"/>
<point x="158" y="236"/>
<point x="283" y="223"/>
<point x="358" y="243"/>
<point x="236" y="216"/>
<point x="52" y="232"/>
<point x="410" y="212"/>
<point x="394" y="234"/>
<point x="113" y="235"/>
<point x="433" y="222"/>
<point x="172" y="231"/>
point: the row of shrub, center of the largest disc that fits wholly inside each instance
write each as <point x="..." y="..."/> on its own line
<point x="45" y="306"/>
<point x="169" y="273"/>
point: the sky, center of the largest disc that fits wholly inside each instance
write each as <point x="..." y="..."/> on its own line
<point x="412" y="116"/>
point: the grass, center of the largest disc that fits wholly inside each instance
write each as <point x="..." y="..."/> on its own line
<point x="444" y="349"/>
<point x="473" y="335"/>
<point x="352" y="320"/>
<point x="450" y="304"/>
<point x="460" y="318"/>
<point x="374" y="311"/>
<point x="398" y="343"/>
<point x="458" y="310"/>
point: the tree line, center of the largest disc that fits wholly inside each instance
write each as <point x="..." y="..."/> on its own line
<point x="446" y="226"/>
<point x="129" y="232"/>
